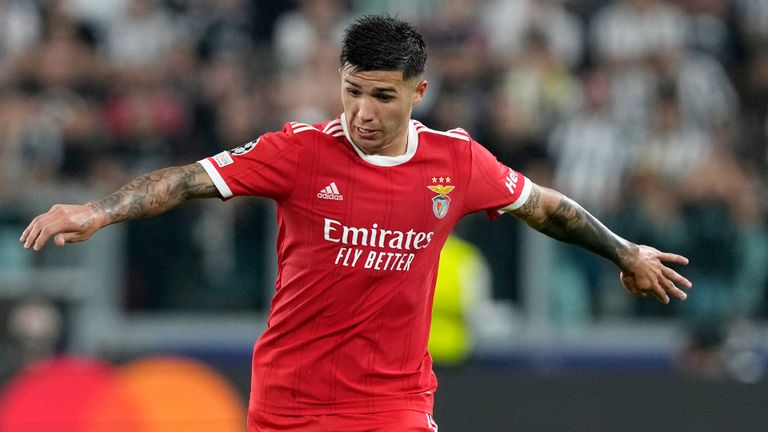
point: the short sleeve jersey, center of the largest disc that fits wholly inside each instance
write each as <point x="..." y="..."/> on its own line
<point x="359" y="238"/>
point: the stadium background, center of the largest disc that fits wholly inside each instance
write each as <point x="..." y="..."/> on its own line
<point x="651" y="113"/>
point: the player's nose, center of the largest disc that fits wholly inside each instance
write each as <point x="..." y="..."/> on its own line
<point x="365" y="109"/>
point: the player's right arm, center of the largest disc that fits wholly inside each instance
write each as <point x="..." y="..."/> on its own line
<point x="146" y="196"/>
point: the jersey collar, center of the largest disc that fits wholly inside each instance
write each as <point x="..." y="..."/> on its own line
<point x="386" y="161"/>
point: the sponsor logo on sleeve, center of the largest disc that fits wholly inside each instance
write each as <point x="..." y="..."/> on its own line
<point x="511" y="182"/>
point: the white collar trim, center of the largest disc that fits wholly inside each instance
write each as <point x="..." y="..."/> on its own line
<point x="386" y="161"/>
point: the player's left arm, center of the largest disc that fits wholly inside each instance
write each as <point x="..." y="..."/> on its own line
<point x="642" y="267"/>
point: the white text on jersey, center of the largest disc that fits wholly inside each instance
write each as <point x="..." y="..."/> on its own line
<point x="331" y="192"/>
<point x="334" y="231"/>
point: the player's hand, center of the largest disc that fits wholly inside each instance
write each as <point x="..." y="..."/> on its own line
<point x="65" y="223"/>
<point x="645" y="273"/>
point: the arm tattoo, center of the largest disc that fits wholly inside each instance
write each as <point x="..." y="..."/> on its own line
<point x="570" y="223"/>
<point x="157" y="192"/>
<point x="530" y="206"/>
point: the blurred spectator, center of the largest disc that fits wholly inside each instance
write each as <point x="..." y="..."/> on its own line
<point x="310" y="93"/>
<point x="457" y="45"/>
<point x="755" y="116"/>
<point x="463" y="309"/>
<point x="297" y="32"/>
<point x="673" y="149"/>
<point x="145" y="121"/>
<point x="100" y="13"/>
<point x="539" y="86"/>
<point x="30" y="143"/>
<point x="591" y="155"/>
<point x="227" y="29"/>
<point x="507" y="22"/>
<point x="752" y="17"/>
<point x="626" y="32"/>
<point x="624" y="36"/>
<point x="723" y="220"/>
<point x="707" y="97"/>
<point x="36" y="329"/>
<point x="141" y="36"/>
<point x="20" y="30"/>
<point x="708" y="30"/>
<point x="67" y="58"/>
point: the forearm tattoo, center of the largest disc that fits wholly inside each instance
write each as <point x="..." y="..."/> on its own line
<point x="571" y="223"/>
<point x="157" y="192"/>
<point x="530" y="206"/>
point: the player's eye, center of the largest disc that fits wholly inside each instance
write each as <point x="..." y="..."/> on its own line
<point x="384" y="98"/>
<point x="353" y="92"/>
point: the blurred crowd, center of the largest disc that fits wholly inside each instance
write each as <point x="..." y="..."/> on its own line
<point x="653" y="114"/>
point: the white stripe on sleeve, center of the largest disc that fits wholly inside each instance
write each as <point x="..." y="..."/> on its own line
<point x="218" y="180"/>
<point x="521" y="199"/>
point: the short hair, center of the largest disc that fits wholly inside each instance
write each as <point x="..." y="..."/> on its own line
<point x="381" y="42"/>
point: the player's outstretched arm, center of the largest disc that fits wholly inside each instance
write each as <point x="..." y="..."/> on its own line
<point x="145" y="196"/>
<point x="642" y="267"/>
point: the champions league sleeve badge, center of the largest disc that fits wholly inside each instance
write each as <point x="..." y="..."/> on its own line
<point x="243" y="149"/>
<point x="442" y="201"/>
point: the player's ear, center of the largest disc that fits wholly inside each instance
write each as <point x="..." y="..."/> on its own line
<point x="421" y="89"/>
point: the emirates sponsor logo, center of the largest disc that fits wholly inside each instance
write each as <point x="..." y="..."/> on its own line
<point x="375" y="248"/>
<point x="331" y="192"/>
<point x="375" y="236"/>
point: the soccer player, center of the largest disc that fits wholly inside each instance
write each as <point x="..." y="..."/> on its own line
<point x="365" y="203"/>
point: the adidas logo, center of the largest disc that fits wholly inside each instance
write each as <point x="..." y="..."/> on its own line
<point x="331" y="192"/>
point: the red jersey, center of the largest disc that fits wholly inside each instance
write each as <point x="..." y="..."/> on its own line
<point x="359" y="238"/>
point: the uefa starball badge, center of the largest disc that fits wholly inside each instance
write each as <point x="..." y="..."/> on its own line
<point x="441" y="202"/>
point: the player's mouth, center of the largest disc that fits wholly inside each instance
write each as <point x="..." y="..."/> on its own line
<point x="366" y="133"/>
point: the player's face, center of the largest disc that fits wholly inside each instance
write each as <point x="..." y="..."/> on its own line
<point x="378" y="106"/>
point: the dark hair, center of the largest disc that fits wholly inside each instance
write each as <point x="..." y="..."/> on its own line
<point x="381" y="42"/>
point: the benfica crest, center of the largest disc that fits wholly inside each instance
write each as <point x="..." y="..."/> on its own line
<point x="441" y="202"/>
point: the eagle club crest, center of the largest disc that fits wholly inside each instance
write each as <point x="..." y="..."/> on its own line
<point x="442" y="201"/>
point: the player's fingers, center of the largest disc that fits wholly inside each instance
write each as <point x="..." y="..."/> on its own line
<point x="67" y="237"/>
<point x="659" y="293"/>
<point x="631" y="287"/>
<point x="41" y="238"/>
<point x="677" y="292"/>
<point x="673" y="290"/>
<point x="25" y="233"/>
<point x="30" y="228"/>
<point x="46" y="232"/>
<point x="61" y="239"/>
<point x="627" y="282"/>
<point x="33" y="230"/>
<point x="676" y="277"/>
<point x="672" y="258"/>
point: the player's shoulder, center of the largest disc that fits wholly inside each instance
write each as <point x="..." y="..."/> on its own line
<point x="457" y="135"/>
<point x="332" y="128"/>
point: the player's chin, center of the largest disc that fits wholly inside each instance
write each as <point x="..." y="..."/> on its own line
<point x="368" y="145"/>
